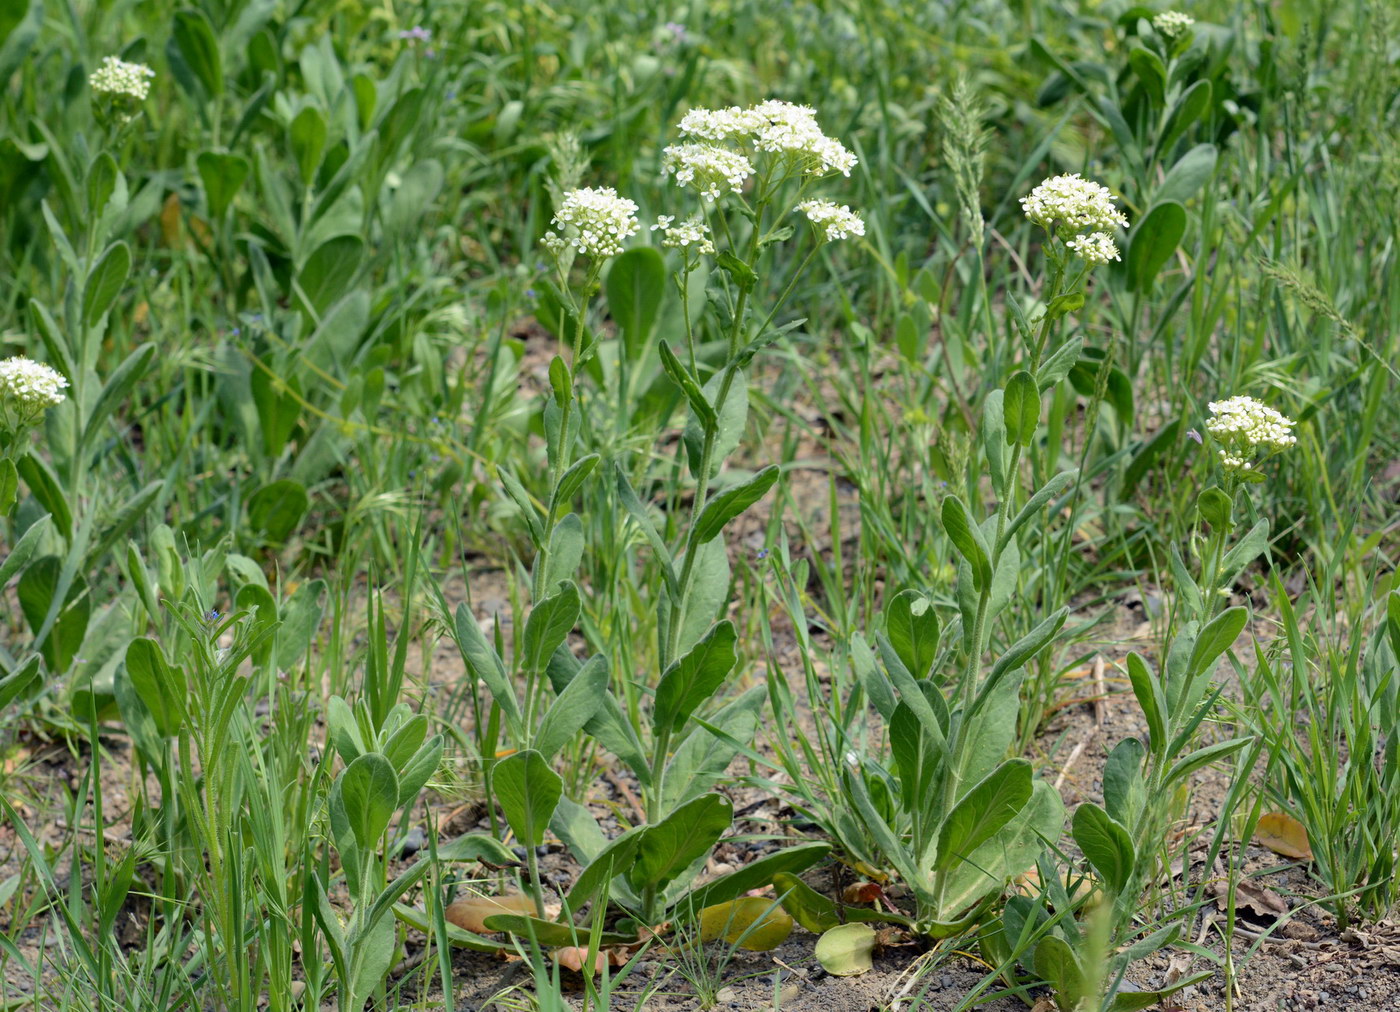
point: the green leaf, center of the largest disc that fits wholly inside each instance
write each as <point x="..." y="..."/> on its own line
<point x="758" y="873"/>
<point x="671" y="845"/>
<point x="1201" y="757"/>
<point x="572" y="479"/>
<point x="1124" y="793"/>
<point x="730" y="420"/>
<point x="277" y="400"/>
<point x="694" y="678"/>
<point x="846" y="950"/>
<point x="223" y="175"/>
<point x="635" y="286"/>
<point x="1021" y="652"/>
<point x="1217" y="637"/>
<point x="610" y="862"/>
<point x="369" y="790"/>
<point x="24" y="549"/>
<point x="1216" y="508"/>
<point x="1106" y="844"/>
<point x="1190" y="107"/>
<point x="549" y="625"/>
<point x="19" y="683"/>
<point x="1021" y="408"/>
<point x="1150" y="70"/>
<point x="328" y="272"/>
<point x="573" y="708"/>
<point x="565" y="550"/>
<point x="698" y="403"/>
<point x="483" y="662"/>
<point x="1060" y="362"/>
<point x="737" y="269"/>
<point x="9" y="485"/>
<point x="1138" y="1001"/>
<point x="730" y="503"/>
<point x="161" y="687"/>
<point x="419" y="768"/>
<point x="1055" y="961"/>
<point x="983" y="811"/>
<point x="36" y="590"/>
<point x="967" y="539"/>
<point x="481" y="847"/>
<point x="276" y="509"/>
<point x="307" y="136"/>
<point x="1154" y="240"/>
<point x="528" y="791"/>
<point x="104" y="282"/>
<point x="1037" y="502"/>
<point x="124" y="377"/>
<point x="1191" y="172"/>
<point x="630" y="502"/>
<point x="912" y="627"/>
<point x="1149" y="696"/>
<point x="194" y="48"/>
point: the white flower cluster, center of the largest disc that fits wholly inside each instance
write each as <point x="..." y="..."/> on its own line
<point x="594" y="221"/>
<point x="1170" y="24"/>
<point x="27" y="388"/>
<point x="119" y="78"/>
<point x="1243" y="426"/>
<point x="1078" y="205"/>
<point x="707" y="167"/>
<point x="833" y="221"/>
<point x="775" y="127"/>
<point x="689" y="234"/>
<point x="1094" y="247"/>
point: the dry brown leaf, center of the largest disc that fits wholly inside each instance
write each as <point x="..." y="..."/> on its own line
<point x="572" y="957"/>
<point x="470" y="913"/>
<point x="1260" y="901"/>
<point x="861" y="892"/>
<point x="1283" y="834"/>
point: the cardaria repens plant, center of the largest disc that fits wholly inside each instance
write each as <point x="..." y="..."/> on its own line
<point x="750" y="170"/>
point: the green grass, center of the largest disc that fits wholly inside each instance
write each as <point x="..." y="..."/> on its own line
<point x="303" y="562"/>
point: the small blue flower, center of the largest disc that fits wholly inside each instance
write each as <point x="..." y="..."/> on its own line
<point x="763" y="553"/>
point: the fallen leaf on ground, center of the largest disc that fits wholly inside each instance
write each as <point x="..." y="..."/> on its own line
<point x="1283" y="834"/>
<point x="572" y="957"/>
<point x="470" y="913"/>
<point x="1259" y="900"/>
<point x="755" y="923"/>
<point x="846" y="950"/>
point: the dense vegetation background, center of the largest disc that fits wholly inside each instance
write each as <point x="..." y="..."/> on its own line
<point x="338" y="426"/>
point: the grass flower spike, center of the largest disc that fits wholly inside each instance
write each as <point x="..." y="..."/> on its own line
<point x="1074" y="204"/>
<point x="1094" y="247"/>
<point x="707" y="167"/>
<point x="594" y="221"/>
<point x="1243" y="427"/>
<point x="1172" y="24"/>
<point x="832" y="221"/>
<point x="123" y="86"/>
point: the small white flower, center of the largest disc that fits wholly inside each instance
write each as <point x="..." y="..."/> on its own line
<point x="1079" y="205"/>
<point x="1170" y="24"/>
<point x="123" y="86"/>
<point x="1094" y="247"/>
<point x="27" y="389"/>
<point x="594" y="221"/>
<point x="689" y="234"/>
<point x="833" y="221"/>
<point x="785" y="128"/>
<point x="774" y="127"/>
<point x="707" y="167"/>
<point x="1244" y="426"/>
<point x="716" y="125"/>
